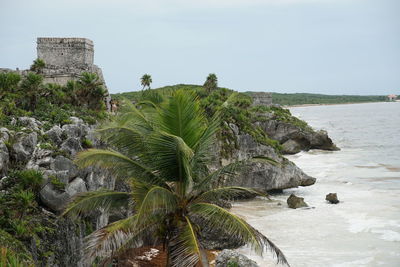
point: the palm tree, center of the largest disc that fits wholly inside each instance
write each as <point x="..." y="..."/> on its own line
<point x="163" y="152"/>
<point x="91" y="90"/>
<point x="146" y="81"/>
<point x="38" y="65"/>
<point x="211" y="82"/>
<point x="32" y="86"/>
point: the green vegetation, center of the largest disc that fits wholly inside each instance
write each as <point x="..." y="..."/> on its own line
<point x="86" y="143"/>
<point x="233" y="107"/>
<point x="57" y="184"/>
<point x="304" y="98"/>
<point x="52" y="103"/>
<point x="38" y="65"/>
<point x="13" y="252"/>
<point x="163" y="151"/>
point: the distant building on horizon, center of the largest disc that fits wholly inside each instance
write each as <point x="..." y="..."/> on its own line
<point x="392" y="97"/>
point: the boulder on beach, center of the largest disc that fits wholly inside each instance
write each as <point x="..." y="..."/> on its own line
<point x="332" y="198"/>
<point x="232" y="258"/>
<point x="295" y="202"/>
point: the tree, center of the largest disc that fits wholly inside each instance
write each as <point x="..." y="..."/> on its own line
<point x="163" y="152"/>
<point x="38" y="65"/>
<point x="91" y="91"/>
<point x="32" y="87"/>
<point x="211" y="82"/>
<point x="146" y="81"/>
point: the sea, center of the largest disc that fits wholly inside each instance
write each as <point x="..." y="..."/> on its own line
<point x="364" y="228"/>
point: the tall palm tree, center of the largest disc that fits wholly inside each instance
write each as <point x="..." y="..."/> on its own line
<point x="211" y="82"/>
<point x="91" y="90"/>
<point x="146" y="81"/>
<point x="164" y="152"/>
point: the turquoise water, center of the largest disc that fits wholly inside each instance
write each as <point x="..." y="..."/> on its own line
<point x="364" y="228"/>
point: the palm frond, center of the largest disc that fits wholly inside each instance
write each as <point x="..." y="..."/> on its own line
<point x="217" y="217"/>
<point x="155" y="201"/>
<point x="227" y="193"/>
<point x="117" y="163"/>
<point x="88" y="202"/>
<point x="171" y="155"/>
<point x="113" y="238"/>
<point x="203" y="149"/>
<point x="217" y="176"/>
<point x="185" y="247"/>
<point x="182" y="116"/>
<point x="127" y="140"/>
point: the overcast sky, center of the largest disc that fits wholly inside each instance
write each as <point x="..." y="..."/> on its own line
<point x="316" y="46"/>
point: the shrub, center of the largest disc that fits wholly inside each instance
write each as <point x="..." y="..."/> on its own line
<point x="86" y="143"/>
<point x="57" y="184"/>
<point x="29" y="179"/>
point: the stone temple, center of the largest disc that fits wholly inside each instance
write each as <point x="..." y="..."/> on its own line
<point x="66" y="59"/>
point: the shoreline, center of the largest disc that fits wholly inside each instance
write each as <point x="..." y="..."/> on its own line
<point x="351" y="103"/>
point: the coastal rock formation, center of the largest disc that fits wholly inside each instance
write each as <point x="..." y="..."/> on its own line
<point x="51" y="152"/>
<point x="295" y="202"/>
<point x="294" y="139"/>
<point x="332" y="198"/>
<point x="261" y="174"/>
<point x="232" y="258"/>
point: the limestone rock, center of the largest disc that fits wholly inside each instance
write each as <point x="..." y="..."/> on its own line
<point x="4" y="158"/>
<point x="55" y="199"/>
<point x="232" y="258"/>
<point x="291" y="147"/>
<point x="63" y="164"/>
<point x="74" y="130"/>
<point x="24" y="146"/>
<point x="332" y="198"/>
<point x="30" y="123"/>
<point x="40" y="158"/>
<point x="55" y="134"/>
<point x="321" y="140"/>
<point x="76" y="186"/>
<point x="304" y="139"/>
<point x="295" y="202"/>
<point x="4" y="134"/>
<point x="72" y="145"/>
<point x="262" y="175"/>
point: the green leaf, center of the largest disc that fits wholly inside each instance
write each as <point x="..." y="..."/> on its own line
<point x="88" y="202"/>
<point x="218" y="218"/>
<point x="185" y="247"/>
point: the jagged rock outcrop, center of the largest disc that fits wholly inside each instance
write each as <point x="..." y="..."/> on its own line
<point x="4" y="158"/>
<point x="52" y="152"/>
<point x="232" y="258"/>
<point x="261" y="174"/>
<point x="294" y="139"/>
<point x="23" y="146"/>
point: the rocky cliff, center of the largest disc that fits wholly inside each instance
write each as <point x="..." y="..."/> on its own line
<point x="51" y="153"/>
<point x="29" y="144"/>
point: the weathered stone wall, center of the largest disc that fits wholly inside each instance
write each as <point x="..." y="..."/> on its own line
<point x="66" y="52"/>
<point x="261" y="98"/>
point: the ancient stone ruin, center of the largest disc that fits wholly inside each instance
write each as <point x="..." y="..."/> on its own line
<point x="66" y="59"/>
